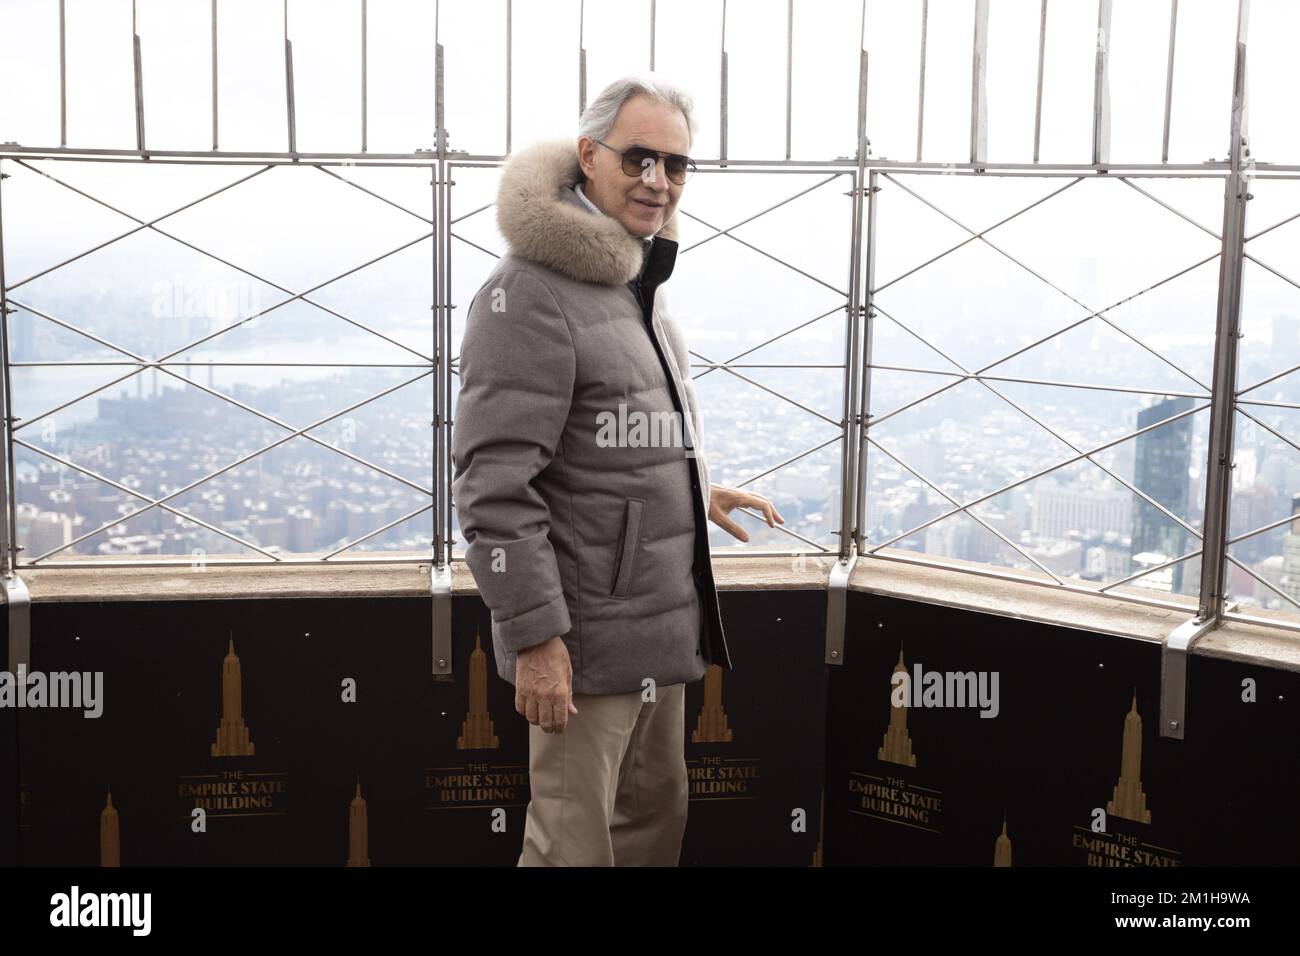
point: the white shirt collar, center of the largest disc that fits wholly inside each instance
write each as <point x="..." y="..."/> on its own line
<point x="577" y="188"/>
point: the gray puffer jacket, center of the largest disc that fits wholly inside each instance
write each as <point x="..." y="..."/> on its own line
<point x="579" y="481"/>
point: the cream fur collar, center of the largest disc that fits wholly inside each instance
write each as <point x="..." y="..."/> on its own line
<point x="539" y="224"/>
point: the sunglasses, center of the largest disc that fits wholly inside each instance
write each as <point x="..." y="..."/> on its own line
<point x="637" y="161"/>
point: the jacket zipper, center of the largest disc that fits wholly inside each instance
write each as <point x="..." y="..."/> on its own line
<point x="706" y="606"/>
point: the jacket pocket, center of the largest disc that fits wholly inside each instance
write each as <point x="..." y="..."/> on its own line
<point x="625" y="552"/>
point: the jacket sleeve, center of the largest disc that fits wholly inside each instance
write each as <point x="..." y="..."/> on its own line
<point x="517" y="367"/>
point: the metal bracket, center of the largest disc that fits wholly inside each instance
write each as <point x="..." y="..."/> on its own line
<point x="1173" y="674"/>
<point x="837" y="588"/>
<point x="19" y="608"/>
<point x="440" y="578"/>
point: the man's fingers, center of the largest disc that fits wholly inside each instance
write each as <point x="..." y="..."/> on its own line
<point x="521" y="702"/>
<point x="733" y="529"/>
<point x="531" y="709"/>
<point x="560" y="716"/>
<point x="546" y="712"/>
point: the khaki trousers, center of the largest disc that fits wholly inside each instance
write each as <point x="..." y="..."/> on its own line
<point x="611" y="790"/>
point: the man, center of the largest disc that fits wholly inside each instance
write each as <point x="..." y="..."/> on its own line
<point x="587" y="537"/>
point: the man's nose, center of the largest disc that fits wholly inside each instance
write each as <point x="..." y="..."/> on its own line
<point x="656" y="177"/>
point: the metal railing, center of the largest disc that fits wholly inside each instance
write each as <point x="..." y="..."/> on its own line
<point x="864" y="175"/>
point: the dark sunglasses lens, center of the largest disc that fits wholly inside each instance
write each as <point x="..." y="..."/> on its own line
<point x="677" y="168"/>
<point x="636" y="161"/>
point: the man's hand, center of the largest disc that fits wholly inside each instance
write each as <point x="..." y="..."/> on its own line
<point x="722" y="500"/>
<point x="544" y="685"/>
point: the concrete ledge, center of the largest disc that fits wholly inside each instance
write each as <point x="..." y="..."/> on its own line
<point x="1259" y="644"/>
<point x="183" y="582"/>
<point x="1250" y="643"/>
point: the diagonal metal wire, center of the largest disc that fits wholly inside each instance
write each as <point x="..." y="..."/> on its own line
<point x="123" y="518"/>
<point x="1038" y="474"/>
<point x="1145" y="571"/>
<point x="714" y="366"/>
<point x="130" y="232"/>
<point x="245" y="271"/>
<point x="974" y="235"/>
<point x="967" y="375"/>
<point x="1262" y="580"/>
<point x="1280" y="521"/>
<point x="370" y="192"/>
<point x="144" y="364"/>
<point x="1115" y="477"/>
<point x="764" y="252"/>
<point x="1099" y="314"/>
<point x="978" y="373"/>
<point x="727" y="231"/>
<point x="772" y="391"/>
<point x="392" y="524"/>
<point x="239" y="461"/>
<point x="951" y="500"/>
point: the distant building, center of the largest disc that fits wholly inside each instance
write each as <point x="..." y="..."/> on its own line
<point x="1160" y="469"/>
<point x="1289" y="583"/>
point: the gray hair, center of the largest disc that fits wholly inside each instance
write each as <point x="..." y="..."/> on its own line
<point x="599" y="116"/>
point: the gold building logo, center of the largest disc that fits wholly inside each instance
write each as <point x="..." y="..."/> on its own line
<point x="1127" y="800"/>
<point x="233" y="738"/>
<point x="897" y="745"/>
<point x="110" y="840"/>
<point x="711" y="726"/>
<point x="1002" y="846"/>
<point x="358" y="831"/>
<point x="476" y="732"/>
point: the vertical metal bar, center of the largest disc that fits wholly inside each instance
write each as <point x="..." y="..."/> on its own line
<point x="63" y="78"/>
<point x="920" y="92"/>
<point x="1222" y="408"/>
<point x="851" y="424"/>
<point x="438" y="113"/>
<point x="722" y="89"/>
<point x="510" y="62"/>
<point x="582" y="59"/>
<point x="440" y="566"/>
<point x="869" y="325"/>
<point x="1101" y="88"/>
<point x="979" y="103"/>
<point x="789" y="72"/>
<point x="139" y="80"/>
<point x="837" y="581"/>
<point x="18" y="604"/>
<point x="1169" y="76"/>
<point x="442" y="352"/>
<point x="8" y="490"/>
<point x="849" y="531"/>
<point x="1218" y="467"/>
<point x="214" y="75"/>
<point x="440" y="355"/>
<point x="288" y="84"/>
<point x="1038" y="96"/>
<point x="652" y="35"/>
<point x="364" y="117"/>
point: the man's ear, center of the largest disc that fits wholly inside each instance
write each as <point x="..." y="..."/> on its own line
<point x="586" y="158"/>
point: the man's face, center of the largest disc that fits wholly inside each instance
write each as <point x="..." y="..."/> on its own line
<point x="641" y="203"/>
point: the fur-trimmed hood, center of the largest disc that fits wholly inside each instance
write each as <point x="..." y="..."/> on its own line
<point x="541" y="223"/>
